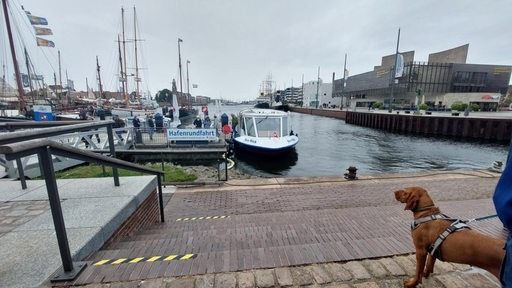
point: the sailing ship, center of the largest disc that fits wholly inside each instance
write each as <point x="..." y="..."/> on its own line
<point x="187" y="112"/>
<point x="17" y="98"/>
<point x="267" y="97"/>
<point x="135" y="104"/>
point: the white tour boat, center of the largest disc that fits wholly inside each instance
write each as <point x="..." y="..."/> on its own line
<point x="264" y="131"/>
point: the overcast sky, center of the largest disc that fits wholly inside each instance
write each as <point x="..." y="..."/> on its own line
<point x="233" y="45"/>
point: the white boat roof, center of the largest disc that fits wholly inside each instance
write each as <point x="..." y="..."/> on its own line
<point x="252" y="112"/>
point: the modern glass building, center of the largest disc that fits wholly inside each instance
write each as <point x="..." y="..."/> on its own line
<point x="444" y="79"/>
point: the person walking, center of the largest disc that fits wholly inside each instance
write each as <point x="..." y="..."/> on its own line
<point x="198" y="123"/>
<point x="216" y="125"/>
<point x="118" y="123"/>
<point x="207" y="122"/>
<point x="224" y="119"/>
<point x="226" y="131"/>
<point x="136" y="122"/>
<point x="101" y="113"/>
<point x="234" y="122"/>
<point x="151" y="126"/>
<point x="136" y="126"/>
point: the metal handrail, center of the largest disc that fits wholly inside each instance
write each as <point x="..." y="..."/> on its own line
<point x="53" y="128"/>
<point x="45" y="148"/>
<point x="46" y="129"/>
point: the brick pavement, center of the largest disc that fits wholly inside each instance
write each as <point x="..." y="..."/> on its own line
<point x="336" y="234"/>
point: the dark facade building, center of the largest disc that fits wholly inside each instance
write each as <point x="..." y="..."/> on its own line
<point x="444" y="79"/>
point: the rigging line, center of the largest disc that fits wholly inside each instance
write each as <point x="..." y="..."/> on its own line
<point x="112" y="69"/>
<point x="142" y="49"/>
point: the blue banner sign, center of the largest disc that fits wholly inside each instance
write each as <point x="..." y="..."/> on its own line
<point x="191" y="135"/>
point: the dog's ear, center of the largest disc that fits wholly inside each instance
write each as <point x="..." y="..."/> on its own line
<point x="412" y="201"/>
<point x="401" y="195"/>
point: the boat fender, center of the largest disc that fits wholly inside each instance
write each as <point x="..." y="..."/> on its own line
<point x="231" y="163"/>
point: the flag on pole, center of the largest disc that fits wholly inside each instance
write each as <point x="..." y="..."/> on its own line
<point x="399" y="69"/>
<point x="42" y="30"/>
<point x="35" y="20"/>
<point x="44" y="42"/>
<point x="25" y="80"/>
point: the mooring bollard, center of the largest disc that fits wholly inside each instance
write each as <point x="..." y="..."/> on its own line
<point x="351" y="175"/>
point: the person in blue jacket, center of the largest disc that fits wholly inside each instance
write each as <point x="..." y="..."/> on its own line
<point x="503" y="202"/>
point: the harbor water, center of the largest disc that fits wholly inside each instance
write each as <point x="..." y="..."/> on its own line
<point x="327" y="147"/>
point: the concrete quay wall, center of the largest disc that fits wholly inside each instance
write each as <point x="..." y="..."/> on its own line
<point x="481" y="128"/>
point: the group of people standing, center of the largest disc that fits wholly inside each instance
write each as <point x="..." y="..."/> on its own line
<point x="221" y="125"/>
<point x="150" y="127"/>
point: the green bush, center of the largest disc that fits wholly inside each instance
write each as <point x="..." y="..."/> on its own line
<point x="475" y="107"/>
<point x="458" y="106"/>
<point x="377" y="105"/>
<point x="172" y="173"/>
<point x="423" y="106"/>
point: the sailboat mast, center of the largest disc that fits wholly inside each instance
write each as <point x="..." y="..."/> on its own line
<point x="99" y="78"/>
<point x="121" y="65"/>
<point x="60" y="81"/>
<point x="23" y="104"/>
<point x="137" y="80"/>
<point x="125" y="77"/>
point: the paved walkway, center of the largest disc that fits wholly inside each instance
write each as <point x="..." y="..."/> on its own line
<point x="312" y="232"/>
<point x="92" y="210"/>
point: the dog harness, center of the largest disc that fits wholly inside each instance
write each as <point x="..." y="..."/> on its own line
<point x="455" y="226"/>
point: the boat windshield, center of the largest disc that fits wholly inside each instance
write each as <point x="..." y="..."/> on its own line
<point x="249" y="127"/>
<point x="268" y="126"/>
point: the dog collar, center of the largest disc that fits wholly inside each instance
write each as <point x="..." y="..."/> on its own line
<point x="423" y="208"/>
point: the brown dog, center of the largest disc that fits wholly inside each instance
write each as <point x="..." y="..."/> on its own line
<point x="464" y="246"/>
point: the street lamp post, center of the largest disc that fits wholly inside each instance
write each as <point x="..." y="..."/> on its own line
<point x="179" y="65"/>
<point x="317" y="87"/>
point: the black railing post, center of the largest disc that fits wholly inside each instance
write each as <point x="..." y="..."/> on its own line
<point x="21" y="173"/>
<point x="226" y="165"/>
<point x="160" y="197"/>
<point x="58" y="219"/>
<point x="115" y="172"/>
<point x="163" y="166"/>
